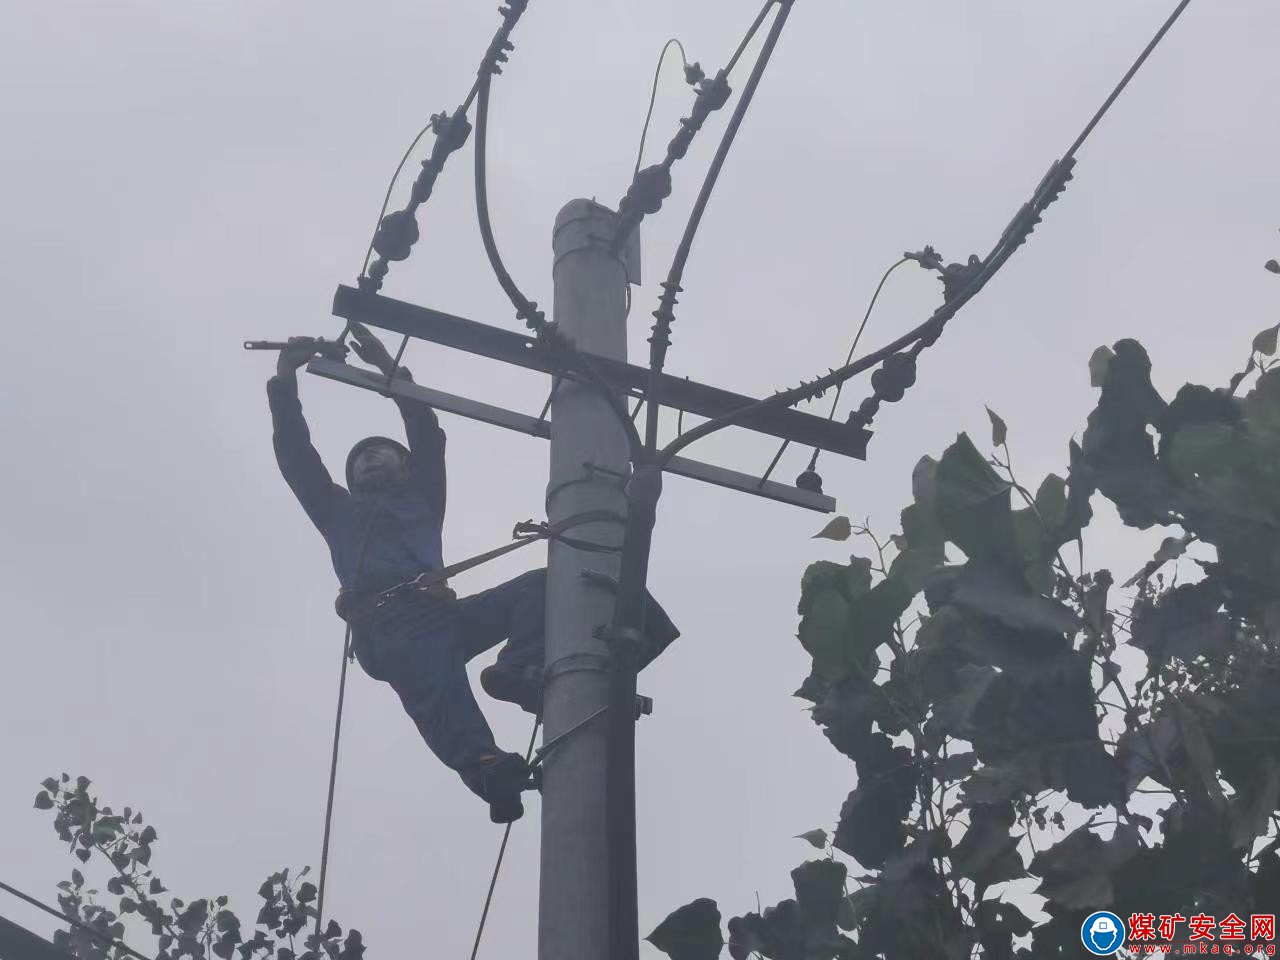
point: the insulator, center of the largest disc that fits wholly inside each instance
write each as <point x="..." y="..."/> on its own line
<point x="810" y="480"/>
<point x="396" y="235"/>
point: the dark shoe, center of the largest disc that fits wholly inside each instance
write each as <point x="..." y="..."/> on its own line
<point x="519" y="685"/>
<point x="503" y="777"/>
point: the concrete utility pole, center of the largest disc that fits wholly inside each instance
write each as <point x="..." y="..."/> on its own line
<point x="590" y="308"/>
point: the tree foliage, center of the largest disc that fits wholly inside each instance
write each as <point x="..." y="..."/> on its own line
<point x="198" y="929"/>
<point x="1010" y="715"/>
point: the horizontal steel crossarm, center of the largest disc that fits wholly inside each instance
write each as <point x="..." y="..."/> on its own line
<point x="522" y="423"/>
<point x="692" y="397"/>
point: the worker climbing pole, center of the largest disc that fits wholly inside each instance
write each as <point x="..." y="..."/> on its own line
<point x="576" y="634"/>
<point x="408" y="627"/>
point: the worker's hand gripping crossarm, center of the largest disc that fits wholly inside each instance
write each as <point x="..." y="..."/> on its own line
<point x="370" y="349"/>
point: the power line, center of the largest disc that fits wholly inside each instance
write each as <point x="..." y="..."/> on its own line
<point x="526" y="309"/>
<point x="665" y="314"/>
<point x="649" y="187"/>
<point x="97" y="934"/>
<point x="976" y="276"/>
<point x="1124" y="82"/>
<point x="750" y="35"/>
<point x="396" y="233"/>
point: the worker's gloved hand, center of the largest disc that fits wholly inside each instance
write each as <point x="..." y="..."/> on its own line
<point x="369" y="348"/>
<point x="297" y="354"/>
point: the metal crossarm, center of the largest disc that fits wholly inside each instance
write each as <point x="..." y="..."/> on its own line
<point x="535" y="427"/>
<point x="678" y="393"/>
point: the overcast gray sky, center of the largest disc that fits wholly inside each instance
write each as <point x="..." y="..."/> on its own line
<point x="179" y="176"/>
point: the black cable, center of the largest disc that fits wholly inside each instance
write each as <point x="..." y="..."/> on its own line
<point x="649" y="189"/>
<point x="750" y="35"/>
<point x="1124" y="82"/>
<point x="526" y="309"/>
<point x="97" y="934"/>
<point x="653" y="95"/>
<point x="928" y="332"/>
<point x="1004" y="248"/>
<point x="451" y="132"/>
<point x="660" y="339"/>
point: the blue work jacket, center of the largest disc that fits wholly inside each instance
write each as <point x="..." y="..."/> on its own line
<point x="403" y="526"/>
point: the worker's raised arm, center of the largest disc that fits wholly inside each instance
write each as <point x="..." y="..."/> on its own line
<point x="299" y="462"/>
<point x="421" y="426"/>
<point x="426" y="449"/>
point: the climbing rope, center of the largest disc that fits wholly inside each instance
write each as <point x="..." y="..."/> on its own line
<point x="337" y="724"/>
<point x="502" y="850"/>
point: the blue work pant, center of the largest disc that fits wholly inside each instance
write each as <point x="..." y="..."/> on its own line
<point x="421" y="648"/>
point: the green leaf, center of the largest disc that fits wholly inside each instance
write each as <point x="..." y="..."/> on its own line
<point x="1250" y="814"/>
<point x="955" y="766"/>
<point x="973" y="503"/>
<point x="1199" y="752"/>
<point x="858" y="906"/>
<point x="1143" y="751"/>
<point x="819" y="886"/>
<point x="871" y="820"/>
<point x="1171" y="548"/>
<point x="77" y="878"/>
<point x="43" y="802"/>
<point x="825" y="632"/>
<point x="1051" y="503"/>
<point x="1099" y="361"/>
<point x="1183" y="625"/>
<point x="1265" y="342"/>
<point x="1273" y="266"/>
<point x="988" y="853"/>
<point x="999" y="431"/>
<point x="920" y="526"/>
<point x="1077" y="871"/>
<point x="815" y="838"/>
<point x="690" y="933"/>
<point x="838" y="529"/>
<point x="1119" y="454"/>
<point x="953" y="715"/>
<point x="990" y="591"/>
<point x="50" y="784"/>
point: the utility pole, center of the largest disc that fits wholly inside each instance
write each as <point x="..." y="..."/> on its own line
<point x="589" y="458"/>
